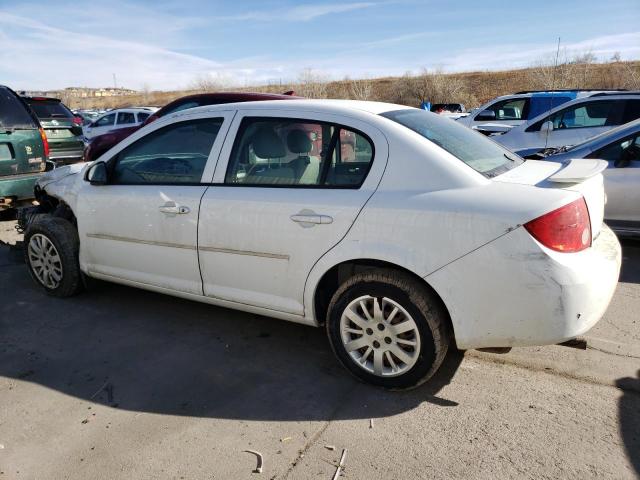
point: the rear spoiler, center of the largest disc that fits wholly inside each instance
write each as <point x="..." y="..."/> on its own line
<point x="578" y="170"/>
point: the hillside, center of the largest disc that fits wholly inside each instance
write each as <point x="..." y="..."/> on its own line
<point x="470" y="88"/>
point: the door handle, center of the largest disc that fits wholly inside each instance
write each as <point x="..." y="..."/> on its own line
<point x="172" y="208"/>
<point x="312" y="219"/>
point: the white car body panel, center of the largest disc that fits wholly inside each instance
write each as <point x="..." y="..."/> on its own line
<point x="452" y="226"/>
<point x="133" y="239"/>
<point x="250" y="249"/>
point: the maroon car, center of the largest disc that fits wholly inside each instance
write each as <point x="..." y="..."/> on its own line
<point x="104" y="142"/>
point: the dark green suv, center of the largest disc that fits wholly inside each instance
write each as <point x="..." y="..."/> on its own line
<point x="23" y="150"/>
<point x="63" y="129"/>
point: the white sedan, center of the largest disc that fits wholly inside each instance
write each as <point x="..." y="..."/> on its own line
<point x="396" y="229"/>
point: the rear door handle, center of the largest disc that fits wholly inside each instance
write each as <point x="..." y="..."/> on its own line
<point x="172" y="208"/>
<point x="312" y="218"/>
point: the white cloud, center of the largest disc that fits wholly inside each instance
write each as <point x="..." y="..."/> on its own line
<point x="498" y="57"/>
<point x="36" y="55"/>
<point x="301" y="13"/>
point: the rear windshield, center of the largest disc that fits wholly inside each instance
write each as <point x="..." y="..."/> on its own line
<point x="473" y="148"/>
<point x="13" y="113"/>
<point x="49" y="109"/>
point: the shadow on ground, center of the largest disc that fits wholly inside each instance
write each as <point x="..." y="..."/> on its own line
<point x="142" y="351"/>
<point x="629" y="412"/>
<point x="630" y="272"/>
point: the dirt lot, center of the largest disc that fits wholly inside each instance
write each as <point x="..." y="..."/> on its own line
<point x="119" y="383"/>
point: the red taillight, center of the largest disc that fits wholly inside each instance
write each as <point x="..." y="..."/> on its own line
<point x="567" y="229"/>
<point x="45" y="142"/>
<point x="77" y="120"/>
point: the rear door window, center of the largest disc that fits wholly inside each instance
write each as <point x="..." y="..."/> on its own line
<point x="585" y="115"/>
<point x="298" y="153"/>
<point x="49" y="109"/>
<point x="126" y="117"/>
<point x="14" y="113"/>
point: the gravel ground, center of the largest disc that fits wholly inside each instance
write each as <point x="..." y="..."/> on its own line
<point x="120" y="383"/>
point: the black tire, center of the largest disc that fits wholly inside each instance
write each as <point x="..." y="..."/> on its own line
<point x="416" y="298"/>
<point x="64" y="237"/>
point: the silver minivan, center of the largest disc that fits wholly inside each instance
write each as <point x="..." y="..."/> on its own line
<point x="572" y="123"/>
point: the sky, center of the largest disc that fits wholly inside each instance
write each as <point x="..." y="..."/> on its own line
<point x="170" y="44"/>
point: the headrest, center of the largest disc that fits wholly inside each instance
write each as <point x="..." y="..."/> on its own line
<point x="267" y="144"/>
<point x="298" y="141"/>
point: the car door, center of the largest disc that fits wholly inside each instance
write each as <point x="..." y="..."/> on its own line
<point x="101" y="125"/>
<point x="622" y="181"/>
<point x="286" y="190"/>
<point x="141" y="226"/>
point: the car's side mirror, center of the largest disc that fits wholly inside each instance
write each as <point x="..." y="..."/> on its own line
<point x="97" y="174"/>
<point x="49" y="165"/>
<point x="622" y="162"/>
<point x="486" y="115"/>
<point x="546" y="127"/>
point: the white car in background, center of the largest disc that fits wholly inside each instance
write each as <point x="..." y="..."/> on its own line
<point x="114" y="119"/>
<point x="620" y="147"/>
<point x="572" y="122"/>
<point x="396" y="229"/>
<point x="507" y="111"/>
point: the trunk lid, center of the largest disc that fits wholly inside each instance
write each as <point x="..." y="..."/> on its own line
<point x="580" y="175"/>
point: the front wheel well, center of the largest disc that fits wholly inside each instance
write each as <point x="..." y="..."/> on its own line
<point x="340" y="273"/>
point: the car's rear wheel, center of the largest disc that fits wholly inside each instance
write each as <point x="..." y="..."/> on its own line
<point x="51" y="253"/>
<point x="388" y="329"/>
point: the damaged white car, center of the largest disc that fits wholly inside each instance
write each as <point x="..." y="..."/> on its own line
<point x="399" y="231"/>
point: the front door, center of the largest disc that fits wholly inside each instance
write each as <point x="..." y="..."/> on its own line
<point x="621" y="180"/>
<point x="142" y="226"/>
<point x="290" y="191"/>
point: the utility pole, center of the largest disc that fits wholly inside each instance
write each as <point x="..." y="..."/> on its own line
<point x="115" y="85"/>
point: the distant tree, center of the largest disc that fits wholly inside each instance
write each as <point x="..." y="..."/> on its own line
<point x="311" y="84"/>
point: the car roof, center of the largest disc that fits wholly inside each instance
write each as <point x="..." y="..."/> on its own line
<point x="345" y="107"/>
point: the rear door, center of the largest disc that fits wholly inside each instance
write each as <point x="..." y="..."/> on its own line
<point x="142" y="226"/>
<point x="285" y="191"/>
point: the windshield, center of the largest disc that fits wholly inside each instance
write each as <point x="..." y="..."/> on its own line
<point x="473" y="148"/>
<point x="609" y="133"/>
<point x="13" y="113"/>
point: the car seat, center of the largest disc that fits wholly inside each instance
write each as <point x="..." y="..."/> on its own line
<point x="305" y="167"/>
